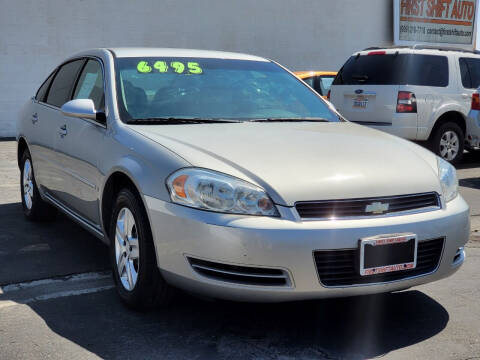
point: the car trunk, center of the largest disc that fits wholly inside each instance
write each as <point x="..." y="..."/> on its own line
<point x="369" y="104"/>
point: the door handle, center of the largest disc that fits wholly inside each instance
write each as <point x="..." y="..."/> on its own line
<point x="63" y="130"/>
<point x="466" y="96"/>
<point x="34" y="118"/>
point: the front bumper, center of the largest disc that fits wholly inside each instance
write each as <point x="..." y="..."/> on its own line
<point x="288" y="243"/>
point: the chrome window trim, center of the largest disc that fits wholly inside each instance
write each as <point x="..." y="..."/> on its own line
<point x="391" y="214"/>
<point x="382" y="282"/>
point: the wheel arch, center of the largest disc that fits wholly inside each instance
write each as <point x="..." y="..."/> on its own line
<point x="22" y="145"/>
<point x="449" y="116"/>
<point x="118" y="179"/>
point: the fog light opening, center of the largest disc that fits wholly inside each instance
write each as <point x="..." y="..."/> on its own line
<point x="459" y="255"/>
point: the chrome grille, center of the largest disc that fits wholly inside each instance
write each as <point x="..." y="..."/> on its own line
<point x="341" y="267"/>
<point x="247" y="275"/>
<point x="334" y="209"/>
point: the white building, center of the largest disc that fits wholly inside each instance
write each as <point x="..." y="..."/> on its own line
<point x="36" y="35"/>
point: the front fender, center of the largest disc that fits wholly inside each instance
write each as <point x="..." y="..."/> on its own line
<point x="146" y="163"/>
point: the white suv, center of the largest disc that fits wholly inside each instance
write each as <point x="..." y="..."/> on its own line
<point x="418" y="93"/>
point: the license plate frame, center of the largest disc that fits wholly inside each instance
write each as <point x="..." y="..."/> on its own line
<point x="360" y="102"/>
<point x="408" y="242"/>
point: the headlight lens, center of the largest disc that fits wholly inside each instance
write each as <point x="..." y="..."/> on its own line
<point x="210" y="190"/>
<point x="448" y="178"/>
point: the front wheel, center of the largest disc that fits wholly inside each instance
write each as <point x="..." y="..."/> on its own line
<point x="448" y="142"/>
<point x="137" y="277"/>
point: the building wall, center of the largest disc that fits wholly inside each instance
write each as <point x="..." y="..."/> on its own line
<point x="35" y="35"/>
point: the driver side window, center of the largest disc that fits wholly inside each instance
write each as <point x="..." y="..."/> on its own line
<point x="90" y="85"/>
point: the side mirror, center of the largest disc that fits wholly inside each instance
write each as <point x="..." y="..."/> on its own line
<point x="83" y="108"/>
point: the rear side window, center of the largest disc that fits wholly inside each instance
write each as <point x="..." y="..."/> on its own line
<point x="42" y="91"/>
<point x="427" y="70"/>
<point x="394" y="69"/>
<point x="61" y="89"/>
<point x="325" y="83"/>
<point x="465" y="74"/>
<point x="309" y="81"/>
<point x="470" y="72"/>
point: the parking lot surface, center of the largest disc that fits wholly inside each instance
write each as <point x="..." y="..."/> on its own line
<point x="57" y="301"/>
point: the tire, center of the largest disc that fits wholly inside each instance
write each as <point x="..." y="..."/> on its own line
<point x="448" y="142"/>
<point x="34" y="207"/>
<point x="138" y="281"/>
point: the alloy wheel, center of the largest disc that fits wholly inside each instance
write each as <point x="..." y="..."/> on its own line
<point x="126" y="249"/>
<point x="27" y="183"/>
<point x="449" y="145"/>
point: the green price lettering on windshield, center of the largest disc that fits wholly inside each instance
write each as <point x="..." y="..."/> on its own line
<point x="143" y="67"/>
<point x="161" y="66"/>
<point x="177" y="66"/>
<point x="194" y="68"/>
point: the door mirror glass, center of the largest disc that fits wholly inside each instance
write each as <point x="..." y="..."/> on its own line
<point x="80" y="108"/>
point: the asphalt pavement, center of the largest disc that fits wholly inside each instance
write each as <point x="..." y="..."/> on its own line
<point x="57" y="301"/>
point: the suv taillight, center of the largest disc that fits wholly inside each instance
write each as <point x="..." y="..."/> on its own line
<point x="476" y="101"/>
<point x="328" y="95"/>
<point x="406" y="102"/>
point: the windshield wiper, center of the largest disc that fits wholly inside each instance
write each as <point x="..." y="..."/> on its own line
<point x="303" y="119"/>
<point x="175" y="120"/>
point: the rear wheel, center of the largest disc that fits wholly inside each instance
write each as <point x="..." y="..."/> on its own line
<point x="137" y="277"/>
<point x="448" y="142"/>
<point x="34" y="208"/>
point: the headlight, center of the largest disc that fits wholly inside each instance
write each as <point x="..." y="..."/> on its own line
<point x="210" y="190"/>
<point x="448" y="178"/>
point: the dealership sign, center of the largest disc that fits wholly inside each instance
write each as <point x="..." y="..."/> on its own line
<point x="435" y="22"/>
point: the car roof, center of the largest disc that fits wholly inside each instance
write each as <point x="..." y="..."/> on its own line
<point x="123" y="52"/>
<point x="305" y="74"/>
<point x="427" y="50"/>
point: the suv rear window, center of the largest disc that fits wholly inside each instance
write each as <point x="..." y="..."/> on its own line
<point x="394" y="69"/>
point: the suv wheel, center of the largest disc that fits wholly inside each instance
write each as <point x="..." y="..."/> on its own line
<point x="34" y="208"/>
<point x="135" y="272"/>
<point x="448" y="142"/>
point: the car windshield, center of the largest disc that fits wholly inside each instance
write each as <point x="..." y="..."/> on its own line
<point x="205" y="88"/>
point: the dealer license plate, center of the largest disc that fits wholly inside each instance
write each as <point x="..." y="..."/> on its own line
<point x="360" y="102"/>
<point x="387" y="253"/>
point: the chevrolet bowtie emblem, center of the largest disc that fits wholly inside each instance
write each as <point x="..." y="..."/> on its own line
<point x="376" y="208"/>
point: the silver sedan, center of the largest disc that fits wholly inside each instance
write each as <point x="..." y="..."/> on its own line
<point x="223" y="174"/>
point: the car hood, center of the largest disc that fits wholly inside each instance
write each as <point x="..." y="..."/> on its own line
<point x="304" y="161"/>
